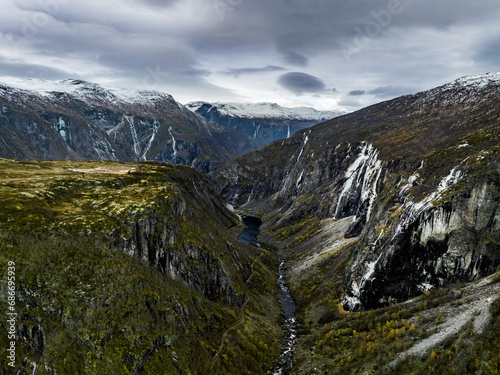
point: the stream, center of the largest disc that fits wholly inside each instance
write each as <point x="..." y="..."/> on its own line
<point x="249" y="235"/>
<point x="290" y="322"/>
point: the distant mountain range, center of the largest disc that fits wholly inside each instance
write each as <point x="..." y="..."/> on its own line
<point x="263" y="122"/>
<point x="78" y="120"/>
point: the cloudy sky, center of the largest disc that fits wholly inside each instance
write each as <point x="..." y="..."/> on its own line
<point x="329" y="54"/>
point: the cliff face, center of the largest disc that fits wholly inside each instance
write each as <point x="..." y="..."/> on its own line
<point x="411" y="243"/>
<point x="424" y="203"/>
<point x="77" y="120"/>
<point x="173" y="240"/>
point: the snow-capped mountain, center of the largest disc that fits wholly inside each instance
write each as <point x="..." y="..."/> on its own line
<point x="74" y="119"/>
<point x="266" y="110"/>
<point x="473" y="81"/>
<point x="85" y="91"/>
<point x="264" y="122"/>
<point x="465" y="90"/>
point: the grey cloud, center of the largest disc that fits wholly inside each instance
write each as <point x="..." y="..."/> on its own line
<point x="489" y="52"/>
<point x="127" y="39"/>
<point x="33" y="71"/>
<point x="295" y="59"/>
<point x="157" y="3"/>
<point x="382" y="92"/>
<point x="300" y="83"/>
<point x="349" y="103"/>
<point x="357" y="92"/>
<point x="390" y="91"/>
<point x="241" y="71"/>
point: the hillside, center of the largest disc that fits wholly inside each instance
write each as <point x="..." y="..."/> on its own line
<point x="131" y="268"/>
<point x="383" y="225"/>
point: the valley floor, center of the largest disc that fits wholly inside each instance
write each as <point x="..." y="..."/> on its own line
<point x="451" y="330"/>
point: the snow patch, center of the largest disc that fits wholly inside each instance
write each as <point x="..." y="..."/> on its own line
<point x="62" y="129"/>
<point x="156" y="126"/>
<point x="256" y="130"/>
<point x="411" y="181"/>
<point x="413" y="210"/>
<point x="85" y="91"/>
<point x="424" y="287"/>
<point x="299" y="180"/>
<point x="370" y="269"/>
<point x="133" y="132"/>
<point x="306" y="139"/>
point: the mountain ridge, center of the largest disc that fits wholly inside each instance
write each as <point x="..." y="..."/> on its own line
<point x="266" y="110"/>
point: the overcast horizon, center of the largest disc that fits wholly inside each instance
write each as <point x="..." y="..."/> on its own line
<point x="326" y="54"/>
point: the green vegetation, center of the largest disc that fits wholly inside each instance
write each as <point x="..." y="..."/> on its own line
<point x="462" y="354"/>
<point x="66" y="226"/>
<point x="298" y="232"/>
<point x="101" y="310"/>
<point x="334" y="341"/>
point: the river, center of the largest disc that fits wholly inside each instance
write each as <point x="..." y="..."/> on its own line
<point x="290" y="322"/>
<point x="249" y="235"/>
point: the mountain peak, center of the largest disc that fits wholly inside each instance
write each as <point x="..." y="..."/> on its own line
<point x="476" y="80"/>
<point x="83" y="90"/>
<point x="471" y="82"/>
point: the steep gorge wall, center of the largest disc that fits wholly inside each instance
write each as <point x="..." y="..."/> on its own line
<point x="406" y="244"/>
<point x="449" y="236"/>
<point x="167" y="242"/>
<point x="168" y="217"/>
